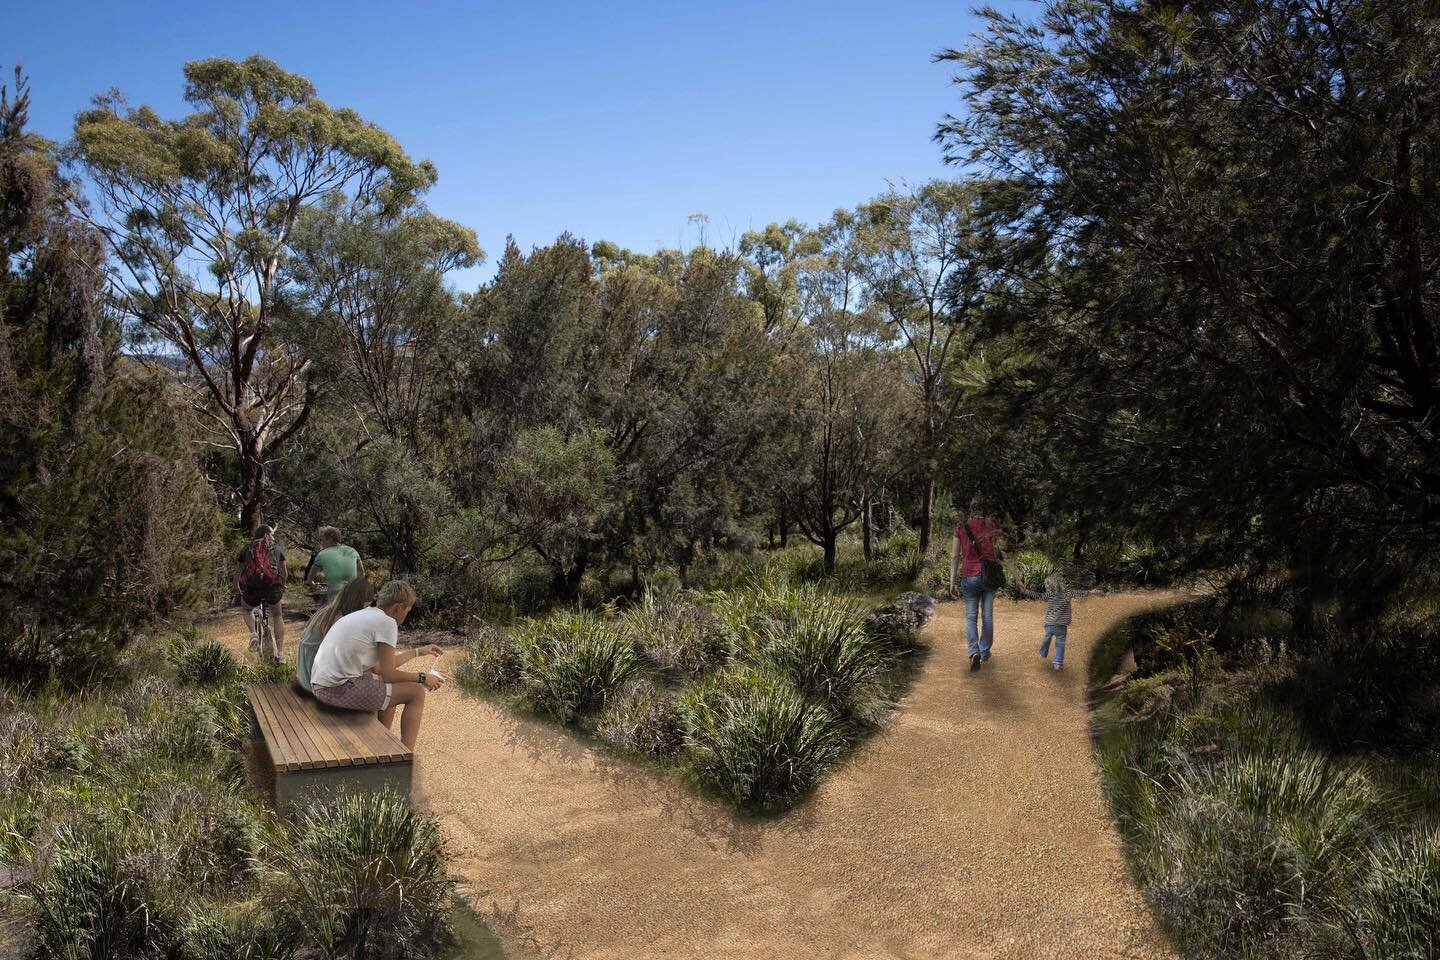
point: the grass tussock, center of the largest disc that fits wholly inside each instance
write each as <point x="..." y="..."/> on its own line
<point x="753" y="692"/>
<point x="124" y="809"/>
<point x="1254" y="826"/>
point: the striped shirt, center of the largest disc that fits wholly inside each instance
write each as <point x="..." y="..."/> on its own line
<point x="1057" y="608"/>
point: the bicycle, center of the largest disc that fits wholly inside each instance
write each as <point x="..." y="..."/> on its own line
<point x="262" y="636"/>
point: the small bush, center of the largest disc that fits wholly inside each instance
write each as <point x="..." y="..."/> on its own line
<point x="90" y="899"/>
<point x="491" y="661"/>
<point x="206" y="664"/>
<point x="1399" y="903"/>
<point x="240" y="932"/>
<point x="757" y="741"/>
<point x="827" y="654"/>
<point x="1259" y="849"/>
<point x="572" y="663"/>
<point x="1028" y="570"/>
<point x="366" y="879"/>
<point x="645" y="720"/>
<point x="678" y="634"/>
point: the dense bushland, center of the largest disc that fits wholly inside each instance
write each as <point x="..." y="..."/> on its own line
<point x="755" y="693"/>
<point x="1276" y="802"/>
<point x="125" y="811"/>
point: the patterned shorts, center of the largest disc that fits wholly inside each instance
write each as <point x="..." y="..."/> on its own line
<point x="367" y="693"/>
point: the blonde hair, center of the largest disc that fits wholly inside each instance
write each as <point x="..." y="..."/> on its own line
<point x="396" y="591"/>
<point x="1054" y="583"/>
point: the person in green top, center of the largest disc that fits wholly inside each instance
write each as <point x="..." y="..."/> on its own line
<point x="340" y="564"/>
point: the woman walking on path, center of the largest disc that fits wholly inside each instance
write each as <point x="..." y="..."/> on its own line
<point x="977" y="539"/>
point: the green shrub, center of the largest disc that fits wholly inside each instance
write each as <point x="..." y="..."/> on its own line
<point x="1258" y="850"/>
<point x="491" y="661"/>
<point x="206" y="664"/>
<point x="677" y="633"/>
<point x="91" y="898"/>
<point x="757" y="741"/>
<point x="572" y="663"/>
<point x="366" y="879"/>
<point x="239" y="932"/>
<point x="827" y="654"/>
<point x="1028" y="570"/>
<point x="645" y="720"/>
<point x="1398" y="914"/>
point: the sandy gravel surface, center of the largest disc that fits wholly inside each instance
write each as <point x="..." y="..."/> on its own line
<point x="973" y="828"/>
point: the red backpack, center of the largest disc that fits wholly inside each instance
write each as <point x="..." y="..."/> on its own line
<point x="260" y="571"/>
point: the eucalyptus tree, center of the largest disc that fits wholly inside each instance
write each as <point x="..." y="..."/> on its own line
<point x="849" y="387"/>
<point x="926" y="268"/>
<point x="1237" y="288"/>
<point x="201" y="213"/>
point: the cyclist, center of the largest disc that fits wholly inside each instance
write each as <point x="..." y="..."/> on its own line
<point x="260" y="577"/>
<point x="339" y="563"/>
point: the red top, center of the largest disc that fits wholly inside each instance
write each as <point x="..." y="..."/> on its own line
<point x="986" y="533"/>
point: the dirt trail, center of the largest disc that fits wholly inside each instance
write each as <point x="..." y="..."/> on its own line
<point x="973" y="828"/>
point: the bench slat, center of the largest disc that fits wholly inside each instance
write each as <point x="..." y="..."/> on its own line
<point x="282" y="752"/>
<point x="317" y="752"/>
<point x="303" y="737"/>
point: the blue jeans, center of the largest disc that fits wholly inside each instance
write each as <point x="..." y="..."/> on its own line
<point x="979" y="603"/>
<point x="1058" y="631"/>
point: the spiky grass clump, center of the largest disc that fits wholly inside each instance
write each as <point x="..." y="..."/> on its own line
<point x="1399" y="903"/>
<point x="757" y="741"/>
<point x="827" y="654"/>
<point x="678" y="634"/>
<point x="572" y="663"/>
<point x="644" y="719"/>
<point x="366" y="879"/>
<point x="491" y="662"/>
<point x="1257" y="851"/>
<point x="206" y="664"/>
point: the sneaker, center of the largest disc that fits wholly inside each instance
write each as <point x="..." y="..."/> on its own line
<point x="974" y="662"/>
<point x="985" y="656"/>
<point x="1055" y="665"/>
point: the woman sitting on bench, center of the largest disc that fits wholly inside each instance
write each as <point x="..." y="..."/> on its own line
<point x="356" y="667"/>
<point x="355" y="595"/>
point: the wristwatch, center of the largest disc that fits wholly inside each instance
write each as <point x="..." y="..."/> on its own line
<point x="422" y="678"/>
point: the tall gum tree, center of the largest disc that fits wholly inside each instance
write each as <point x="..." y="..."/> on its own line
<point x="925" y="268"/>
<point x="200" y="213"/>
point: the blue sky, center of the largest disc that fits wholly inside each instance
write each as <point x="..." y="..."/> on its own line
<point x="612" y="121"/>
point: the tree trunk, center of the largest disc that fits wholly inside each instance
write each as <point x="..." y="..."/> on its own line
<point x="252" y="489"/>
<point x="927" y="512"/>
<point x="866" y="526"/>
<point x="831" y="536"/>
<point x="566" y="583"/>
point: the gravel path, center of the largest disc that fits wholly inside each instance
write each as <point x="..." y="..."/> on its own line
<point x="973" y="828"/>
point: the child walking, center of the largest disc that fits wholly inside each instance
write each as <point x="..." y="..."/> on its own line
<point x="1057" y="597"/>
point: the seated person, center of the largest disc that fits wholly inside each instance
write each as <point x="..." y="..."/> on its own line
<point x="357" y="666"/>
<point x="356" y="596"/>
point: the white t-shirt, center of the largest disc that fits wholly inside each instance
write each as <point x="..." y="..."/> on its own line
<point x="349" y="650"/>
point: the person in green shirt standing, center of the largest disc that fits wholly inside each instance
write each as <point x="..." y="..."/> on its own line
<point x="339" y="563"/>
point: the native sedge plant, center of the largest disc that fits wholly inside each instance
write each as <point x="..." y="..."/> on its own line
<point x="757" y="741"/>
<point x="826" y="652"/>
<point x="365" y="878"/>
<point x="572" y="663"/>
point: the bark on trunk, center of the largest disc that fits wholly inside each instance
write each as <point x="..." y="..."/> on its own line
<point x="927" y="513"/>
<point x="830" y="538"/>
<point x="252" y="489"/>
<point x="866" y="526"/>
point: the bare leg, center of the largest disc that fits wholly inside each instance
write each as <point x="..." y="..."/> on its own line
<point x="277" y="628"/>
<point x="248" y="613"/>
<point x="412" y="695"/>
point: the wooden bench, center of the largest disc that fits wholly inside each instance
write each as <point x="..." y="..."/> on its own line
<point x="314" y="748"/>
